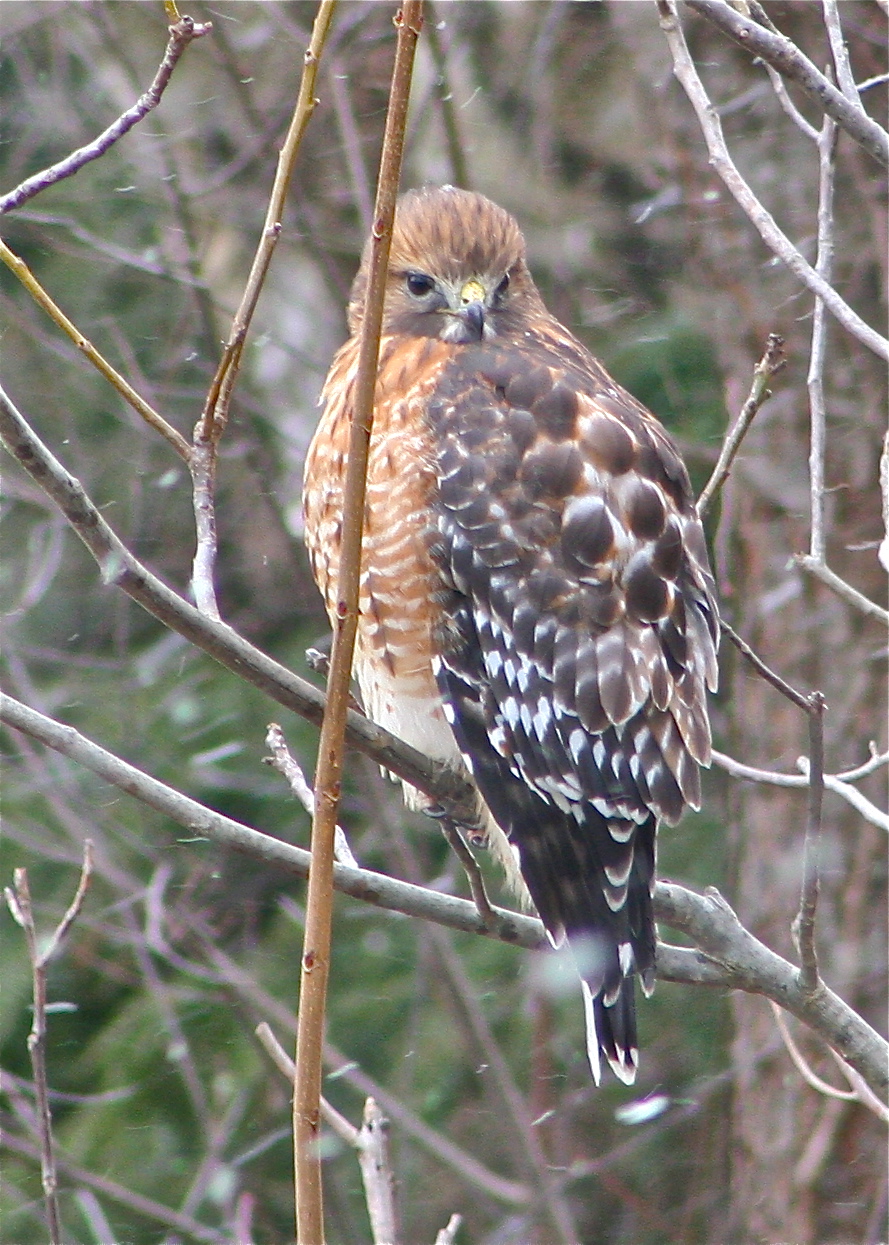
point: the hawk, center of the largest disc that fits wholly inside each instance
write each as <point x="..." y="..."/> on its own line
<point x="536" y="604"/>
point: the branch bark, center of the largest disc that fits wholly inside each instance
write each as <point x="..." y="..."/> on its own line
<point x="729" y="956"/>
<point x="328" y="775"/>
<point x="782" y="54"/>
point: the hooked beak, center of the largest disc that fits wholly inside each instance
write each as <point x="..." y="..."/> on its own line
<point x="472" y="309"/>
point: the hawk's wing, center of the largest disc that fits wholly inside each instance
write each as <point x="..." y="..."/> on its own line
<point x="576" y="639"/>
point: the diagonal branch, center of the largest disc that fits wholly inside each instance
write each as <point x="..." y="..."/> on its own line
<point x="776" y="240"/>
<point x="120" y="568"/>
<point x="182" y="33"/>
<point x="779" y="52"/>
<point x="729" y="956"/>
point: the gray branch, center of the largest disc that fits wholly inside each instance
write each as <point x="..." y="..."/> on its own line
<point x="726" y="954"/>
<point x="784" y="56"/>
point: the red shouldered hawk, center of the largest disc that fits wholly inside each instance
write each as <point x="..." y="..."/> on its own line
<point x="536" y="601"/>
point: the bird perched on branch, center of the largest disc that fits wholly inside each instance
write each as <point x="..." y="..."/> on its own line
<point x="536" y="605"/>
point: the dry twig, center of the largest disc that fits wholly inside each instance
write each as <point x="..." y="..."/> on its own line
<point x="316" y="946"/>
<point x="777" y="50"/>
<point x="18" y="900"/>
<point x="732" y="958"/>
<point x="183" y="31"/>
<point x="775" y="238"/>
<point x="771" y="362"/>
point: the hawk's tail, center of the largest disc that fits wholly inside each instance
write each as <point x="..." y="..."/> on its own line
<point x="611" y="1030"/>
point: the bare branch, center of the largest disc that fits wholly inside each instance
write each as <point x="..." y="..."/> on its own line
<point x="815" y="379"/>
<point x="732" y="957"/>
<point x="215" y="414"/>
<point x="775" y="238"/>
<point x="804" y="925"/>
<point x="19" y="902"/>
<point x="883" y="553"/>
<point x="155" y="1212"/>
<point x="156" y="421"/>
<point x="376" y="1174"/>
<point x="838" y="783"/>
<point x="845" y="79"/>
<point x="202" y="465"/>
<point x="771" y="362"/>
<point x="760" y="667"/>
<point x="328" y="775"/>
<point x="777" y="50"/>
<point x="448" y="1234"/>
<point x="289" y="768"/>
<point x="119" y="568"/>
<point x="818" y="569"/>
<point x="182" y="32"/>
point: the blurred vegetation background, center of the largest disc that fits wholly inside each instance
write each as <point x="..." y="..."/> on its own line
<point x="568" y="115"/>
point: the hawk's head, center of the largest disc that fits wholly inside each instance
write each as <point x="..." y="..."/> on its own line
<point x="456" y="270"/>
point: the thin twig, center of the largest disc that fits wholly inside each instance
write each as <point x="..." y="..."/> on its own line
<point x="18" y="900"/>
<point x="732" y="957"/>
<point x="777" y="50"/>
<point x="319" y="902"/>
<point x="840" y="54"/>
<point x="456" y="147"/>
<point x="771" y="362"/>
<point x="134" y="1203"/>
<point x="804" y="924"/>
<point x="859" y="1090"/>
<point x="182" y="33"/>
<point x="370" y="1141"/>
<point x="815" y="378"/>
<point x="775" y="238"/>
<point x="21" y="270"/>
<point x="883" y="552"/>
<point x="120" y="568"/>
<point x="283" y="760"/>
<point x="800" y="1063"/>
<point x="801" y="701"/>
<point x="210" y="427"/>
<point x="788" y="105"/>
<point x="216" y="404"/>
<point x="819" y="570"/>
<point x="838" y="783"/>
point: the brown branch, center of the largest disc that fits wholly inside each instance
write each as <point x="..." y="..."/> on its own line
<point x="319" y="902"/>
<point x="784" y="56"/>
<point x="18" y="900"/>
<point x="732" y="957"/>
<point x="211" y="425"/>
<point x="182" y="33"/>
<point x="215" y="413"/>
<point x="776" y="240"/>
<point x="801" y="701"/>
<point x="21" y="270"/>
<point x="771" y="362"/>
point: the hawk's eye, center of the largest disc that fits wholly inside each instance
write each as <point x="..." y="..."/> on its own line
<point x="419" y="284"/>
<point x="502" y="287"/>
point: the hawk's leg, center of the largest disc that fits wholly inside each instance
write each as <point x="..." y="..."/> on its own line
<point x="454" y="832"/>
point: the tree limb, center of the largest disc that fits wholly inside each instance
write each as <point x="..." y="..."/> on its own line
<point x="782" y="54"/>
<point x="730" y="957"/>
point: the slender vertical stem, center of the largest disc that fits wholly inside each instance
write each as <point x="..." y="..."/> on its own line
<point x="316" y="947"/>
<point x="804" y="925"/>
<point x="815" y="378"/>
